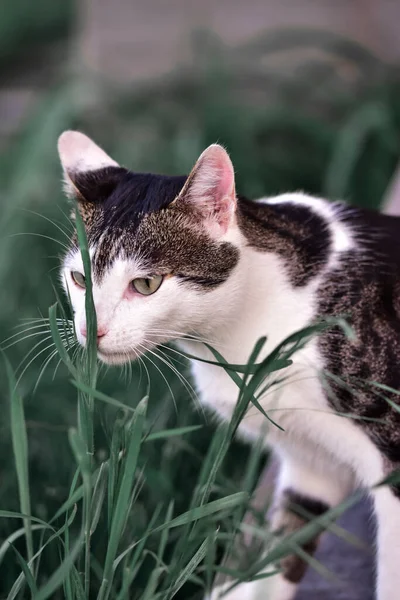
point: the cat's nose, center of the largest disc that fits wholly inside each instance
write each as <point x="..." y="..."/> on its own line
<point x="101" y="332"/>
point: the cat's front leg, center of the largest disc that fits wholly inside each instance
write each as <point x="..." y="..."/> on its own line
<point x="387" y="508"/>
<point x="300" y="490"/>
<point x="276" y="589"/>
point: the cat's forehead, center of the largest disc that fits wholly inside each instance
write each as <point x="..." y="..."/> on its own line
<point x="131" y="221"/>
<point x="159" y="241"/>
<point x="163" y="241"/>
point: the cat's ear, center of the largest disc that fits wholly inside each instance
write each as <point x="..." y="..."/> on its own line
<point x="90" y="175"/>
<point x="209" y="190"/>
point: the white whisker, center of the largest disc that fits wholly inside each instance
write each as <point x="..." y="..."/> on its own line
<point x="162" y="375"/>
<point x="45" y="363"/>
<point x="32" y="360"/>
<point x="28" y="354"/>
<point x="188" y="387"/>
<point x="140" y="359"/>
<point x="56" y="369"/>
<point x="57" y="225"/>
<point x="175" y="351"/>
<point x="47" y="237"/>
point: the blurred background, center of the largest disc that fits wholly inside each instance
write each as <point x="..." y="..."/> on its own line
<point x="304" y="95"/>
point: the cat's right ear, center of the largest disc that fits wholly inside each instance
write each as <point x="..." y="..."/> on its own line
<point x="209" y="191"/>
<point x="90" y="175"/>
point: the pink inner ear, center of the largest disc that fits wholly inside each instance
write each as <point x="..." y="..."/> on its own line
<point x="224" y="201"/>
<point x="224" y="170"/>
<point x="211" y="190"/>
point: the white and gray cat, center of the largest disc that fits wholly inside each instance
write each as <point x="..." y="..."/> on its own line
<point x="178" y="256"/>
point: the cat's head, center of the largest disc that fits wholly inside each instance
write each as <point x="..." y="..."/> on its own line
<point x="163" y="249"/>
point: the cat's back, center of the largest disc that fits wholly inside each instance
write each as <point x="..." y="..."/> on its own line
<point x="377" y="238"/>
<point x="315" y="229"/>
<point x="347" y="259"/>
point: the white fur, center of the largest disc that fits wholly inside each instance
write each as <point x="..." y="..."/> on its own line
<point x="270" y="588"/>
<point x="79" y="154"/>
<point x="322" y="454"/>
<point x="388" y="514"/>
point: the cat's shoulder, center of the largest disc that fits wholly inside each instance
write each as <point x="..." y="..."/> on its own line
<point x="352" y="227"/>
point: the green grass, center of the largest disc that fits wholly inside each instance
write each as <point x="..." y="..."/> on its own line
<point x="133" y="492"/>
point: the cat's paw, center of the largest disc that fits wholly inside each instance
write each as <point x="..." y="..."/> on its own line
<point x="269" y="588"/>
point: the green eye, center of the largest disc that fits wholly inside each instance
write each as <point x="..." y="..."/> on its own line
<point x="147" y="286"/>
<point x="78" y="278"/>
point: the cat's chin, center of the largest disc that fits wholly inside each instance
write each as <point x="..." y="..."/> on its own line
<point x="116" y="358"/>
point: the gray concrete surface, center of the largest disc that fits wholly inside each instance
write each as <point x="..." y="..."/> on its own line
<point x="354" y="567"/>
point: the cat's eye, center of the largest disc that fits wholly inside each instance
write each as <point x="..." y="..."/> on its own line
<point x="147" y="285"/>
<point x="78" y="278"/>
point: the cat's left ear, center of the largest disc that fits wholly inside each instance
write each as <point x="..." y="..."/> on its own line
<point x="89" y="173"/>
<point x="209" y="191"/>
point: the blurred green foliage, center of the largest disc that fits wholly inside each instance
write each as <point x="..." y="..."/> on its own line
<point x="328" y="126"/>
<point x="25" y="26"/>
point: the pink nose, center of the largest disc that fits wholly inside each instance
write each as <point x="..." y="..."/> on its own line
<point x="101" y="332"/>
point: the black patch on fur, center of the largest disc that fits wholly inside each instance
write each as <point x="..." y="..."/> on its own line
<point x="140" y="194"/>
<point x="292" y="231"/>
<point x="312" y="506"/>
<point x="126" y="196"/>
<point x="98" y="185"/>
<point x="293" y="513"/>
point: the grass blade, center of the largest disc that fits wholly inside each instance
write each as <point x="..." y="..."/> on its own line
<point x="122" y="501"/>
<point x="216" y="506"/>
<point x="20" y="448"/>
<point x="8" y="542"/>
<point x="59" y="575"/>
<point x="91" y="321"/>
<point x="89" y="376"/>
<point x="86" y="389"/>
<point x="189" y="569"/>
<point x="58" y="341"/>
<point x="55" y="536"/>
<point x="137" y="558"/>
<point x="26" y="571"/>
<point x="116" y="444"/>
<point x="99" y="493"/>
<point x="168" y="433"/>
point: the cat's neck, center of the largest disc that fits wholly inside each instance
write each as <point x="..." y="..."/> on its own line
<point x="261" y="302"/>
<point x="265" y="306"/>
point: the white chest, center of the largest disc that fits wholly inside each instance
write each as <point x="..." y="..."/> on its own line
<point x="312" y="430"/>
<point x="288" y="395"/>
<point x="275" y="311"/>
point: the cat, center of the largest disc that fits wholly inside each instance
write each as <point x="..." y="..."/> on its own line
<point x="187" y="256"/>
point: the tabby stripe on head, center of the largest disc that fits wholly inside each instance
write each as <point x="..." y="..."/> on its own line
<point x="204" y="282"/>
